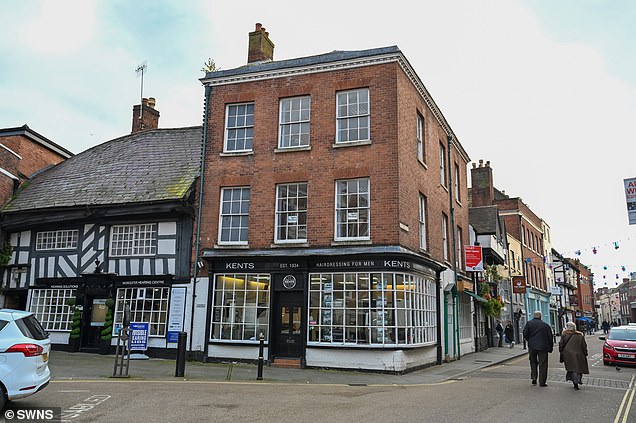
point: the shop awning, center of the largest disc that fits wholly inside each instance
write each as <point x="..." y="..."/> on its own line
<point x="475" y="296"/>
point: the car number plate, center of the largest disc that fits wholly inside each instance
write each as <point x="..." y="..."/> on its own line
<point x="625" y="355"/>
<point x="45" y="357"/>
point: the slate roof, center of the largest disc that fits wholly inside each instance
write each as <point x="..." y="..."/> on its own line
<point x="334" y="56"/>
<point x="484" y="219"/>
<point x="148" y="166"/>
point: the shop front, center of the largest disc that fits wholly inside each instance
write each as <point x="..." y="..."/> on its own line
<point x="85" y="313"/>
<point x="362" y="310"/>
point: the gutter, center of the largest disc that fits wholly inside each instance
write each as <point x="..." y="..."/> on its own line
<point x="201" y="184"/>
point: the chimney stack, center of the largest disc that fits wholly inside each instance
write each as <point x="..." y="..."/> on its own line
<point x="145" y="116"/>
<point x="482" y="189"/>
<point x="260" y="48"/>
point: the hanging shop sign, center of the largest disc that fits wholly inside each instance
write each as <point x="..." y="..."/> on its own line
<point x="474" y="258"/>
<point x="518" y="285"/>
<point x="630" y="196"/>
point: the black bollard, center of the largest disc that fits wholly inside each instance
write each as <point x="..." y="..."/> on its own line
<point x="260" y="357"/>
<point x="181" y="354"/>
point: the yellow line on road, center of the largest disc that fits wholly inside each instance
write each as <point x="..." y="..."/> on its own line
<point x="630" y="389"/>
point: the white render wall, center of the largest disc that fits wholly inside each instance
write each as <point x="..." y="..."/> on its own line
<point x="378" y="359"/>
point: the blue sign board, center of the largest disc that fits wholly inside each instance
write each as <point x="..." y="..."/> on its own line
<point x="173" y="336"/>
<point x="138" y="336"/>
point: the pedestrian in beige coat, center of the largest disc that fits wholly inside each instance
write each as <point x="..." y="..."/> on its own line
<point x="573" y="349"/>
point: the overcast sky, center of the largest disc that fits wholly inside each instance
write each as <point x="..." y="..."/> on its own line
<point x="543" y="89"/>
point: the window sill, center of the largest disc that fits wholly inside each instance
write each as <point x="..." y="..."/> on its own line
<point x="292" y="149"/>
<point x="425" y="253"/>
<point x="336" y="243"/>
<point x="231" y="246"/>
<point x="422" y="163"/>
<point x="443" y="186"/>
<point x="238" y="153"/>
<point x="350" y="144"/>
<point x="303" y="244"/>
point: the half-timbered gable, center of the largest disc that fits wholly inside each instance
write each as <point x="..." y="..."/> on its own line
<point x="114" y="222"/>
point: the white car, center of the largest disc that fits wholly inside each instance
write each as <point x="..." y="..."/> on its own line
<point x="24" y="355"/>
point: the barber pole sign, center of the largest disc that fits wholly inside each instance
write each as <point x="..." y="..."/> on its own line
<point x="474" y="258"/>
<point x="630" y="196"/>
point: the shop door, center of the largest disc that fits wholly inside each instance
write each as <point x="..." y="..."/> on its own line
<point x="289" y="328"/>
<point x="94" y="320"/>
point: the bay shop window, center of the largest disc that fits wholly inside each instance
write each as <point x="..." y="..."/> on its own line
<point x="373" y="309"/>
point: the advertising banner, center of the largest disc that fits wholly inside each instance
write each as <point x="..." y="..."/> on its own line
<point x="474" y="258"/>
<point x="630" y="196"/>
<point x="175" y="318"/>
<point x="138" y="336"/>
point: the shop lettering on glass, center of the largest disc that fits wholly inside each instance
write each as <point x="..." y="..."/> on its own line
<point x="360" y="263"/>
<point x="239" y="266"/>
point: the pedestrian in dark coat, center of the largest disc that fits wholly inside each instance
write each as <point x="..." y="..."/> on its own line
<point x="539" y="336"/>
<point x="500" y="332"/>
<point x="573" y="349"/>
<point x="509" y="333"/>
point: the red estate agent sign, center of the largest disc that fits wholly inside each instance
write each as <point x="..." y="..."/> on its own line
<point x="474" y="258"/>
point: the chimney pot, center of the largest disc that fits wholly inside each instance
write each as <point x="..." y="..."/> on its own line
<point x="260" y="48"/>
<point x="152" y="102"/>
<point x="488" y="163"/>
<point x="481" y="162"/>
<point x="474" y="165"/>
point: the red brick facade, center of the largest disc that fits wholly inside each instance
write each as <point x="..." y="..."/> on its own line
<point x="389" y="160"/>
<point x="524" y="225"/>
<point x="26" y="153"/>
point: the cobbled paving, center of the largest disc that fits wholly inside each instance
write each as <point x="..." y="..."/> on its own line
<point x="557" y="377"/>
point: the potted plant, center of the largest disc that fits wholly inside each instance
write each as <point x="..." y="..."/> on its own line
<point x="76" y="323"/>
<point x="107" y="330"/>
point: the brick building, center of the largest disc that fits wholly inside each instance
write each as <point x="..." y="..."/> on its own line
<point x="326" y="220"/>
<point x="23" y="152"/>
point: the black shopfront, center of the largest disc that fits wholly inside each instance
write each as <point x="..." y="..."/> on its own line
<point x="319" y="299"/>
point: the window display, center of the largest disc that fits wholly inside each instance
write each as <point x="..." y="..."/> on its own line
<point x="371" y="309"/>
<point x="241" y="307"/>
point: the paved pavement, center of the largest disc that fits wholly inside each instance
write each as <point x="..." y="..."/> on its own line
<point x="84" y="366"/>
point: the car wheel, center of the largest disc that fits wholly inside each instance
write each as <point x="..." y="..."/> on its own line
<point x="606" y="363"/>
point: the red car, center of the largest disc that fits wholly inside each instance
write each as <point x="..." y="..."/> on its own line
<point x="620" y="345"/>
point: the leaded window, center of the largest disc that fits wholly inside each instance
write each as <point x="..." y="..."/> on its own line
<point x="147" y="305"/>
<point x="56" y="240"/>
<point x="50" y="308"/>
<point x="133" y="240"/>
